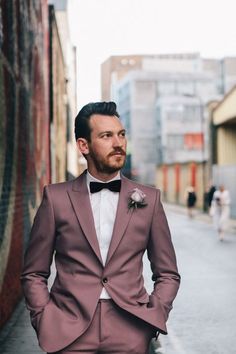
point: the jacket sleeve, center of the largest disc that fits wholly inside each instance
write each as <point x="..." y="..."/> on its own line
<point x="38" y="257"/>
<point x="162" y="257"/>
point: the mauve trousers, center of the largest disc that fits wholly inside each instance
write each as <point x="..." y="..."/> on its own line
<point x="113" y="331"/>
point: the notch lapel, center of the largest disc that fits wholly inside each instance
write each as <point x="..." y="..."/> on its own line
<point x="79" y="198"/>
<point x="123" y="216"/>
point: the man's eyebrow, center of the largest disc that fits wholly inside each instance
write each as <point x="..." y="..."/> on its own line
<point x="122" y="131"/>
<point x="105" y="132"/>
<point x="111" y="132"/>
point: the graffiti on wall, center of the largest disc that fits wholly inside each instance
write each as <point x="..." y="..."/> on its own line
<point x="24" y="134"/>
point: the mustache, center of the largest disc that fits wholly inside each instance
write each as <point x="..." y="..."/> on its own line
<point x="118" y="150"/>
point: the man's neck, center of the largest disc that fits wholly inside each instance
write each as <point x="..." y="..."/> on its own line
<point x="103" y="177"/>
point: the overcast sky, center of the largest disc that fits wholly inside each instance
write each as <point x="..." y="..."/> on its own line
<point x="101" y="28"/>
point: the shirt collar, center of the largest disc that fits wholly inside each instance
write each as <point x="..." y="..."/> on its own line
<point x="90" y="178"/>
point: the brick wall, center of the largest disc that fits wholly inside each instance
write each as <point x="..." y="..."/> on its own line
<point x="59" y="98"/>
<point x="24" y="134"/>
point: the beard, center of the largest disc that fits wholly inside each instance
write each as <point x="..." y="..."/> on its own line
<point x="105" y="165"/>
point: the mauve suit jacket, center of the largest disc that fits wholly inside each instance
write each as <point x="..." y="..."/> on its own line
<point x="64" y="224"/>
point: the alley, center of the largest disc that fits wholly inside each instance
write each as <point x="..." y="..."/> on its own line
<point x="167" y="70"/>
<point x="204" y="316"/>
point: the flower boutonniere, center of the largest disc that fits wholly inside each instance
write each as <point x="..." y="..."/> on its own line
<point x="137" y="199"/>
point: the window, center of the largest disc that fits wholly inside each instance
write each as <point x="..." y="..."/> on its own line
<point x="193" y="141"/>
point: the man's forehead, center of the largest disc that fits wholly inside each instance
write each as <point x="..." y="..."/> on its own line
<point x="105" y="122"/>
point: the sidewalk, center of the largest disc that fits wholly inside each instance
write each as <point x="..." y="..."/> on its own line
<point x="18" y="337"/>
<point x="198" y="215"/>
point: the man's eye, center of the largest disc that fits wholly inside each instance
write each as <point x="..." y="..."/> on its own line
<point x="107" y="135"/>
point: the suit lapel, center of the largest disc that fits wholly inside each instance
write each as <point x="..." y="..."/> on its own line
<point x="123" y="216"/>
<point x="79" y="197"/>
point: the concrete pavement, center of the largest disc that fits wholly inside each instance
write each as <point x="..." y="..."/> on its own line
<point x="18" y="337"/>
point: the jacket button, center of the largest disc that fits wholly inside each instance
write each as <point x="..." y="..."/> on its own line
<point x="104" y="280"/>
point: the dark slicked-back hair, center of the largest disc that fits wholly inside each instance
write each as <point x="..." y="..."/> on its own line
<point x="82" y="127"/>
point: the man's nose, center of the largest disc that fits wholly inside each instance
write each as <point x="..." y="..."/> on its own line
<point x="117" y="141"/>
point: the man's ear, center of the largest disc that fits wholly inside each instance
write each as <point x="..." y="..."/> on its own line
<point x="82" y="145"/>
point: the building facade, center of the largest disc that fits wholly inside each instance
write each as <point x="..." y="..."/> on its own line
<point x="58" y="103"/>
<point x="163" y="114"/>
<point x="163" y="107"/>
<point x="222" y="71"/>
<point x="24" y="134"/>
<point x="74" y="167"/>
<point x="115" y="68"/>
<point x="224" y="154"/>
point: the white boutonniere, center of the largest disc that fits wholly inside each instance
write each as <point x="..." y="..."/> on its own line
<point x="137" y="199"/>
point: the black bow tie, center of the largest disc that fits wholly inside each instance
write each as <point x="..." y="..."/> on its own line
<point x="113" y="186"/>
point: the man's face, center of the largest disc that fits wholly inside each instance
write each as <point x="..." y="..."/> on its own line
<point x="107" y="146"/>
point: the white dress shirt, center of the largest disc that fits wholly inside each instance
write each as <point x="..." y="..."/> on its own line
<point x="104" y="206"/>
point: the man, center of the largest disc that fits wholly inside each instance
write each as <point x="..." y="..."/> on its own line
<point x="99" y="227"/>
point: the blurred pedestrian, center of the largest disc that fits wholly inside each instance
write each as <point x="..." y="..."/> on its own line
<point x="210" y="194"/>
<point x="220" y="210"/>
<point x="191" y="198"/>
